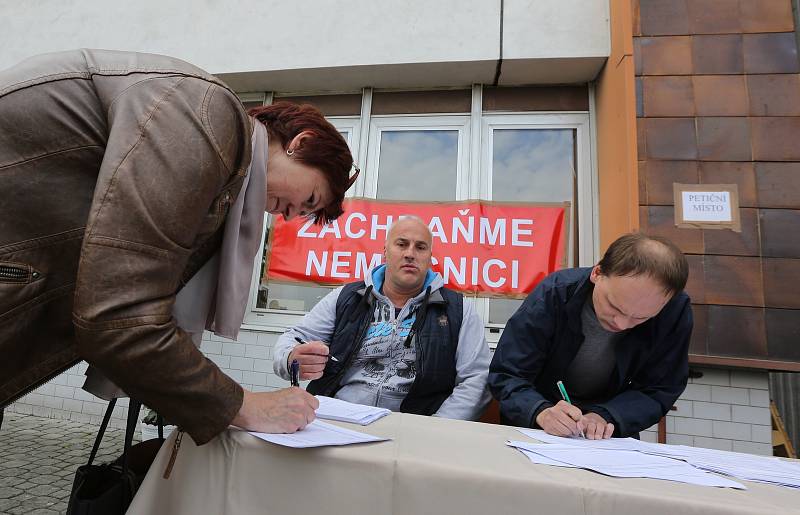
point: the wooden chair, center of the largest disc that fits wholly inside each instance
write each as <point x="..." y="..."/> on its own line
<point x="781" y="444"/>
<point x="492" y="413"/>
<point x="662" y="427"/>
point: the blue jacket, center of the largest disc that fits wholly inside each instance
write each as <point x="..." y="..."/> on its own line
<point x="542" y="338"/>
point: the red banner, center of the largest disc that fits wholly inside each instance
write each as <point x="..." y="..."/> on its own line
<point x="488" y="248"/>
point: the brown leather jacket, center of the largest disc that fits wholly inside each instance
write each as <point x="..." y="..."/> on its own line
<point x="117" y="170"/>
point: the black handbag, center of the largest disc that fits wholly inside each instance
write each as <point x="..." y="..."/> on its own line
<point x="108" y="489"/>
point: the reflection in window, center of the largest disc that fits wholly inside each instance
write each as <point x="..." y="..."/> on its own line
<point x="418" y="165"/>
<point x="530" y="165"/>
<point x="290" y="297"/>
<point x="533" y="165"/>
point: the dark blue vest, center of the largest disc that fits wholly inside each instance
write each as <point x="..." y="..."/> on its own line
<point x="435" y="339"/>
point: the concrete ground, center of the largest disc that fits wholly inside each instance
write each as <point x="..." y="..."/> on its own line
<point x="38" y="458"/>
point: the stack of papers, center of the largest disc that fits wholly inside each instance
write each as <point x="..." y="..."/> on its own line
<point x="343" y="411"/>
<point x="618" y="463"/>
<point x="318" y="434"/>
<point x="762" y="469"/>
<point x="611" y="444"/>
<point x="556" y="451"/>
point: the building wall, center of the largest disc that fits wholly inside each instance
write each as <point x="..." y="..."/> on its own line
<point x="309" y="45"/>
<point x="718" y="101"/>
<point x="247" y="360"/>
<point x="723" y="409"/>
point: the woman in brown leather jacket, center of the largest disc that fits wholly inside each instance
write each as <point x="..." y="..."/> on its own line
<point x="134" y="188"/>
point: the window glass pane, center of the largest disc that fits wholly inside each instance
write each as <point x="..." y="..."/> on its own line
<point x="530" y="165"/>
<point x="290" y="297"/>
<point x="409" y="159"/>
<point x="533" y="165"/>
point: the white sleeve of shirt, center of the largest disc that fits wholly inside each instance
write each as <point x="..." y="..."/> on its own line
<point x="317" y="325"/>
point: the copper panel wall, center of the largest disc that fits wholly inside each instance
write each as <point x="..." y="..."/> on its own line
<point x="538" y="98"/>
<point x="416" y="102"/>
<point x="718" y="101"/>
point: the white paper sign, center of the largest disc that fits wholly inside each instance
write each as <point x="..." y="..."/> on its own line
<point x="707" y="206"/>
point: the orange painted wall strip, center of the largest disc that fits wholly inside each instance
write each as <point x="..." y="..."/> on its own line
<point x="616" y="131"/>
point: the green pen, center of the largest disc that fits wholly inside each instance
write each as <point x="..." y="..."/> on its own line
<point x="565" y="396"/>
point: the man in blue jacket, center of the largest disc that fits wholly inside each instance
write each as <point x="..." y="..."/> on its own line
<point x="616" y="334"/>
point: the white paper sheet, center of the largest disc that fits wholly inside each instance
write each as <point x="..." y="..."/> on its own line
<point x="343" y="411"/>
<point x="749" y="467"/>
<point x="318" y="434"/>
<point x="620" y="463"/>
<point x="763" y="469"/>
<point x="622" y="444"/>
<point x="541" y="460"/>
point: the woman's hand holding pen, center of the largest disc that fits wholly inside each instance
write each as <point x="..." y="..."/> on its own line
<point x="312" y="357"/>
<point x="282" y="411"/>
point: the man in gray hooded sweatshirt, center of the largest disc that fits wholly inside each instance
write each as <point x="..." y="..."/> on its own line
<point x="397" y="340"/>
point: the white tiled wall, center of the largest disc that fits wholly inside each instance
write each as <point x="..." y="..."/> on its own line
<point x="723" y="409"/>
<point x="247" y="360"/>
<point x="63" y="398"/>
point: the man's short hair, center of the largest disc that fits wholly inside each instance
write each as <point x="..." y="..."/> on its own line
<point x="404" y="218"/>
<point x="642" y="254"/>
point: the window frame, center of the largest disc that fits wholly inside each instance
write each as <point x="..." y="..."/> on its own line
<point x="581" y="217"/>
<point x="424" y="122"/>
<point x="586" y="183"/>
<point x="473" y="180"/>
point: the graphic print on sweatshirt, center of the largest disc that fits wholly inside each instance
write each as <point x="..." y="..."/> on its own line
<point x="384" y="368"/>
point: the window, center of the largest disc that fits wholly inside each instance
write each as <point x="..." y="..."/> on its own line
<point x="405" y="152"/>
<point x="536" y="158"/>
<point x="408" y="158"/>
<point x="530" y="165"/>
<point x="253" y="99"/>
<point x="503" y="156"/>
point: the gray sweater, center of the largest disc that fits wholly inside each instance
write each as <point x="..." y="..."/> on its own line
<point x="382" y="373"/>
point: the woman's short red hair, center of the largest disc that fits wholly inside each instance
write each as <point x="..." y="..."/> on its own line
<point x="326" y="151"/>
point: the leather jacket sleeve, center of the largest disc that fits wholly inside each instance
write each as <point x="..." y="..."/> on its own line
<point x="174" y="144"/>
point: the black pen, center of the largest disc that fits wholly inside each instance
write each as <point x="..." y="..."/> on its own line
<point x="303" y="342"/>
<point x="295" y="373"/>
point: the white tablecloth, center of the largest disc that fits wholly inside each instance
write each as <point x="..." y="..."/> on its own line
<point x="432" y="466"/>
